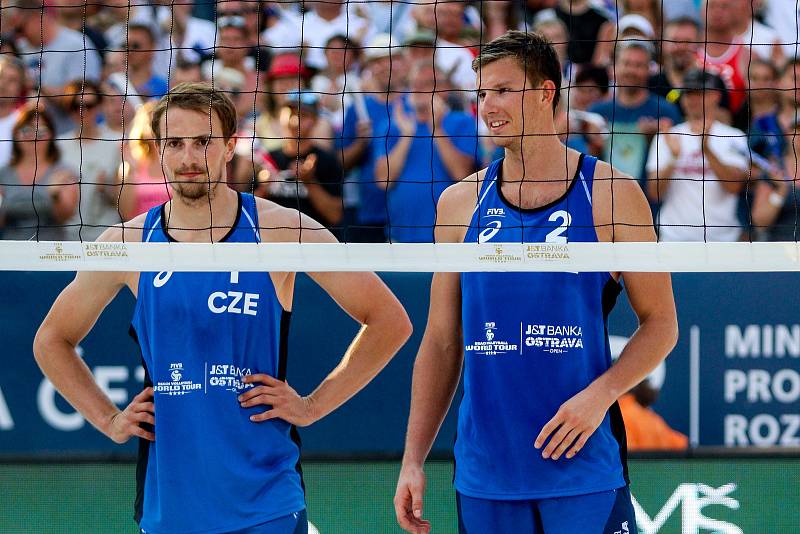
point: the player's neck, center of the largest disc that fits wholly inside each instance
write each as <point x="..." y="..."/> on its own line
<point x="540" y="159"/>
<point x="192" y="220"/>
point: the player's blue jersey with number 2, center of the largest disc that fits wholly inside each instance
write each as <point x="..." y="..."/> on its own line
<point x="531" y="341"/>
<point x="210" y="468"/>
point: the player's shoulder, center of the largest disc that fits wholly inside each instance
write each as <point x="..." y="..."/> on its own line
<point x="455" y="207"/>
<point x="128" y="231"/>
<point x="463" y="194"/>
<point x="620" y="209"/>
<point x="279" y="224"/>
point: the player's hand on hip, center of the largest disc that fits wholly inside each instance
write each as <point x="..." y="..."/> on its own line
<point x="408" y="500"/>
<point x="125" y="424"/>
<point x="286" y="403"/>
<point x="572" y="425"/>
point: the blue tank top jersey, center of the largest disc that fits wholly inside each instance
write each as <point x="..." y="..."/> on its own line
<point x="531" y="341"/>
<point x="210" y="468"/>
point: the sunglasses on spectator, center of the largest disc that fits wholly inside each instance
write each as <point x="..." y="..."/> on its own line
<point x="76" y="104"/>
<point x="232" y="21"/>
<point x="31" y="129"/>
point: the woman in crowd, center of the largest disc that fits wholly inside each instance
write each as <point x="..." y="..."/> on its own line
<point x="143" y="183"/>
<point x="38" y="194"/>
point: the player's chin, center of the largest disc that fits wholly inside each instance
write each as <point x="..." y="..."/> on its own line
<point x="191" y="190"/>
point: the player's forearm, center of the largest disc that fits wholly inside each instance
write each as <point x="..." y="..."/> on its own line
<point x="649" y="345"/>
<point x="456" y="162"/>
<point x="436" y="376"/>
<point x="373" y="347"/>
<point x="731" y="178"/>
<point x="329" y="206"/>
<point x="72" y="378"/>
<point x="388" y="168"/>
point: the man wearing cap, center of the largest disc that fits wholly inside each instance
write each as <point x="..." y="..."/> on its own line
<point x="300" y="174"/>
<point x="697" y="170"/>
<point x="635" y="114"/>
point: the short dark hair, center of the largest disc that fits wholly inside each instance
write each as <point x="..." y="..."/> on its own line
<point x="30" y="114"/>
<point x="196" y="96"/>
<point x="532" y="52"/>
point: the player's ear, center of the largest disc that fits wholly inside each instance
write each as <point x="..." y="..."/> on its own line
<point x="230" y="147"/>
<point x="548" y="92"/>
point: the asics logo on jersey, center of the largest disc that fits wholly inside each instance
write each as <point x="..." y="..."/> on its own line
<point x="492" y="227"/>
<point x="162" y="278"/>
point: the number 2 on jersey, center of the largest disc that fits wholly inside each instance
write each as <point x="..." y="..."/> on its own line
<point x="556" y="235"/>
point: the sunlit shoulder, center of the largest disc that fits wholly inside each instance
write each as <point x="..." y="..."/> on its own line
<point x="280" y="224"/>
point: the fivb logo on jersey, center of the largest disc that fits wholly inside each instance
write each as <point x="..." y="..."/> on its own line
<point x="176" y="385"/>
<point x="235" y="302"/>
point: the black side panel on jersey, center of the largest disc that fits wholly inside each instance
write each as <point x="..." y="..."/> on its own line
<point x="610" y="293"/>
<point x="283" y="360"/>
<point x="143" y="451"/>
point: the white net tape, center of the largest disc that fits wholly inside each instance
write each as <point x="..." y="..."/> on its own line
<point x="400" y="257"/>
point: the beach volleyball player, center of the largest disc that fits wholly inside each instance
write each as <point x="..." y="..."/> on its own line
<point x="218" y="449"/>
<point x="540" y="446"/>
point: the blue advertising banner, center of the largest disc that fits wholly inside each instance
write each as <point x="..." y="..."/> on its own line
<point x="733" y="379"/>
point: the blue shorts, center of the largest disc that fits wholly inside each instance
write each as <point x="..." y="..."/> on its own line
<point x="296" y="523"/>
<point x="606" y="512"/>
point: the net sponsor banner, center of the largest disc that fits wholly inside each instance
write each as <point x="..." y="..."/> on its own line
<point x="733" y="379"/>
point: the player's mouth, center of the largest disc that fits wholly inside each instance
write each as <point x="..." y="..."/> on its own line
<point x="496" y="126"/>
<point x="189" y="174"/>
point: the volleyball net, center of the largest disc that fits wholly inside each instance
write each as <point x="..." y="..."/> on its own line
<point x="360" y="115"/>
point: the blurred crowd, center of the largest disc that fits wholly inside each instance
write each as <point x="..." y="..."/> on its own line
<point x="361" y="113"/>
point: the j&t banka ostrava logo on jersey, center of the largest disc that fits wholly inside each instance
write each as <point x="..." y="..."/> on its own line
<point x="555" y="339"/>
<point x="491" y="346"/>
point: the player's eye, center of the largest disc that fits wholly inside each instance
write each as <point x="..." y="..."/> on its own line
<point x="481" y="95"/>
<point x="204" y="141"/>
<point x="173" y="143"/>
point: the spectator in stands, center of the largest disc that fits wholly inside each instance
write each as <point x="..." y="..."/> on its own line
<point x="114" y="120"/>
<point x="39" y="194"/>
<point x="499" y="17"/>
<point x="591" y="32"/>
<point x="679" y="49"/>
<point x="723" y="52"/>
<point x="79" y="16"/>
<point x="697" y="170"/>
<point x="54" y="53"/>
<point x="140" y="50"/>
<point x="337" y="82"/>
<point x="12" y="93"/>
<point x="634" y="114"/>
<point x="143" y="182"/>
<point x="185" y="71"/>
<point x="556" y="32"/>
<point x="389" y="16"/>
<point x="790" y="95"/>
<point x="93" y="153"/>
<point x="282" y="28"/>
<point x="246" y="14"/>
<point x="325" y="19"/>
<point x="650" y="10"/>
<point x="366" y="125"/>
<point x="645" y="430"/>
<point x="424" y="152"/>
<point x="759" y="115"/>
<point x="762" y="40"/>
<point x="183" y="36"/>
<point x="784" y="18"/>
<point x="776" y="203"/>
<point x="303" y="175"/>
<point x="588" y="131"/>
<point x="232" y="53"/>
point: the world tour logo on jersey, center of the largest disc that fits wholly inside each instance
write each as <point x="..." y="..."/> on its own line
<point x="554" y="339"/>
<point x="492" y="346"/>
<point x="176" y="385"/>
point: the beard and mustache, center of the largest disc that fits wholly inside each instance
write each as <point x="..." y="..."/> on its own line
<point x="194" y="190"/>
